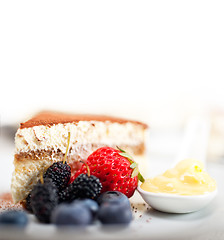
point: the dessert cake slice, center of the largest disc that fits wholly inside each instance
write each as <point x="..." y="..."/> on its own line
<point x="42" y="140"/>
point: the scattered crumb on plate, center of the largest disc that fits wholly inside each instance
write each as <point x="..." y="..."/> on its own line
<point x="6" y="202"/>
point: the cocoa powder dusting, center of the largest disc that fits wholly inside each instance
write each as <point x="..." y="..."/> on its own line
<point x="6" y="202"/>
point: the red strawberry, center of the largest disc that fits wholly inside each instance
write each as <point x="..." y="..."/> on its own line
<point x="114" y="168"/>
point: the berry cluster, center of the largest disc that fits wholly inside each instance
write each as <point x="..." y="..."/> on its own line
<point x="54" y="189"/>
<point x="100" y="189"/>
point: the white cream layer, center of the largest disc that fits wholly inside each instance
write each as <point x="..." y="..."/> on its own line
<point x="84" y="132"/>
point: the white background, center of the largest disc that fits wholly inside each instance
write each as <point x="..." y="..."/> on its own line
<point x="156" y="61"/>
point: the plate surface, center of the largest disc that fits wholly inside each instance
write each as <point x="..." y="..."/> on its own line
<point x="147" y="224"/>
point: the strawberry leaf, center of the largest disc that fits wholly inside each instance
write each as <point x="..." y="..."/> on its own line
<point x="135" y="172"/>
<point x="120" y="149"/>
<point x="133" y="165"/>
<point x="124" y="154"/>
<point x="140" y="177"/>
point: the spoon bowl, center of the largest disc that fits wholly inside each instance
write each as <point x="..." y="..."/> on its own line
<point x="194" y="146"/>
<point x="172" y="203"/>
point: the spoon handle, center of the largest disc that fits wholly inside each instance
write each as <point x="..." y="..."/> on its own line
<point x="195" y="140"/>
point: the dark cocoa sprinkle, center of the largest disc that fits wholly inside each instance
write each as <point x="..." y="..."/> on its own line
<point x="48" y="118"/>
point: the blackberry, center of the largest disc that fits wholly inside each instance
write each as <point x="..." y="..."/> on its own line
<point x="68" y="194"/>
<point x="60" y="173"/>
<point x="84" y="186"/>
<point x="87" y="186"/>
<point x="43" y="200"/>
<point x="27" y="204"/>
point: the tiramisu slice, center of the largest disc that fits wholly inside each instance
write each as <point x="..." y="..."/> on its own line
<point x="42" y="140"/>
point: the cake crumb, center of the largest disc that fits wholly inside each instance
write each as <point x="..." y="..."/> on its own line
<point x="148" y="220"/>
<point x="6" y="203"/>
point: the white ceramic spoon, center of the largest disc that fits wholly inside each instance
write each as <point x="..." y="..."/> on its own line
<point x="194" y="146"/>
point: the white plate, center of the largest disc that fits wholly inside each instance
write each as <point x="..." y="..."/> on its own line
<point x="147" y="224"/>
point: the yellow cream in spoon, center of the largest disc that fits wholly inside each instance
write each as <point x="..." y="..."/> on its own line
<point x="188" y="177"/>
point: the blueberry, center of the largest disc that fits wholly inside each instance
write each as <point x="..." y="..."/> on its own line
<point x="90" y="204"/>
<point x="114" y="213"/>
<point x="71" y="214"/>
<point x="115" y="197"/>
<point x="14" y="217"/>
